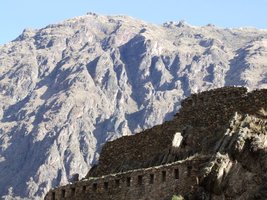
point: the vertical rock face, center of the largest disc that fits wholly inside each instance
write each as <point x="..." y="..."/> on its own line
<point x="68" y="88"/>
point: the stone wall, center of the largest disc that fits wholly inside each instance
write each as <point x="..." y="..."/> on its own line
<point x="219" y="105"/>
<point x="205" y="116"/>
<point x="142" y="150"/>
<point x="201" y="120"/>
<point x="211" y="132"/>
<point x="142" y="184"/>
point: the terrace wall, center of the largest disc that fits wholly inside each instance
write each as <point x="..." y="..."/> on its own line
<point x="142" y="184"/>
<point x="201" y="120"/>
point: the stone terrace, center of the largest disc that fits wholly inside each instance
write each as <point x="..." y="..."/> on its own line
<point x="152" y="183"/>
<point x="202" y="119"/>
<point x="147" y="166"/>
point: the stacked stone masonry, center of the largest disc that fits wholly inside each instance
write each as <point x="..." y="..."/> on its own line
<point x="216" y="140"/>
<point x="201" y="116"/>
<point x="151" y="183"/>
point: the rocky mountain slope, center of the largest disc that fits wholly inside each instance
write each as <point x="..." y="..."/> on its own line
<point x="68" y="88"/>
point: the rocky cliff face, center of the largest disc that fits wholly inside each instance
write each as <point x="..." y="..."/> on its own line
<point x="68" y="88"/>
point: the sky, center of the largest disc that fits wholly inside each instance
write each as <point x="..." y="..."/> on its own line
<point x="16" y="15"/>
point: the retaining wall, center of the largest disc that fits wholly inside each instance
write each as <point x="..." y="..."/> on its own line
<point x="201" y="119"/>
<point x="143" y="184"/>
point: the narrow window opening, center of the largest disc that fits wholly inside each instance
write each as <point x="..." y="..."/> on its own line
<point x="94" y="186"/>
<point x="72" y="191"/>
<point x="140" y="180"/>
<point x="84" y="188"/>
<point x="151" y="180"/>
<point x="117" y="183"/>
<point x="128" y="180"/>
<point x="163" y="177"/>
<point x="53" y="196"/>
<point x="189" y="168"/>
<point x="176" y="174"/>
<point x="106" y="185"/>
<point x="63" y="193"/>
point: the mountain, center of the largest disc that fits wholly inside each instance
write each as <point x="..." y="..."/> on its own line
<point x="68" y="88"/>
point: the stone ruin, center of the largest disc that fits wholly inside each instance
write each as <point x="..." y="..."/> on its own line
<point x="214" y="148"/>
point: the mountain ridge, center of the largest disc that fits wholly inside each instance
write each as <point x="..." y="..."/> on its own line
<point x="68" y="88"/>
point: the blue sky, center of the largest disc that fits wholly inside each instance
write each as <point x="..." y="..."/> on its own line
<point x="15" y="15"/>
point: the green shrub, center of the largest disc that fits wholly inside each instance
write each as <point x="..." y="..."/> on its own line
<point x="179" y="197"/>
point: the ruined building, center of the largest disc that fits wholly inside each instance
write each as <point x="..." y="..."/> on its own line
<point x="214" y="148"/>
